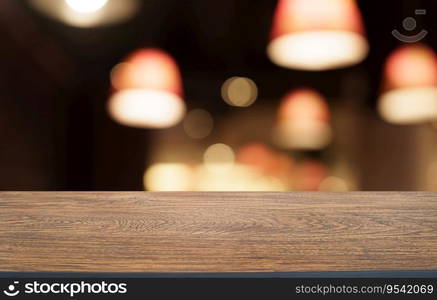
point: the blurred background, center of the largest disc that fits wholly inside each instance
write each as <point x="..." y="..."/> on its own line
<point x="225" y="95"/>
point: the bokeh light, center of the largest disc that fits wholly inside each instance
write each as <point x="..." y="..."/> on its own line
<point x="87" y="13"/>
<point x="151" y="69"/>
<point x="148" y="91"/>
<point x="303" y="121"/>
<point x="168" y="177"/>
<point x="146" y="108"/>
<point x="86" y="6"/>
<point x="410" y="86"/>
<point x="317" y="35"/>
<point x="183" y="177"/>
<point x="198" y="124"/>
<point x="219" y="157"/>
<point x="239" y="91"/>
<point x="237" y="178"/>
<point x="256" y="155"/>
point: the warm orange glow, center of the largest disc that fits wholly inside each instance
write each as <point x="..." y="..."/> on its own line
<point x="149" y="91"/>
<point x="303" y="121"/>
<point x="168" y="177"/>
<point x="256" y="155"/>
<point x="148" y="69"/>
<point x="303" y="15"/>
<point x="317" y="34"/>
<point x="183" y="177"/>
<point x="304" y="104"/>
<point x="237" y="178"/>
<point x="267" y="161"/>
<point x="311" y="175"/>
<point x="411" y="66"/>
<point x="410" y="86"/>
<point x="219" y="158"/>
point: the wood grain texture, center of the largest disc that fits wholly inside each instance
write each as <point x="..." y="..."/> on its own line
<point x="217" y="232"/>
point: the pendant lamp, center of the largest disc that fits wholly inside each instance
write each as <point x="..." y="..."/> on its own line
<point x="148" y="91"/>
<point x="303" y="121"/>
<point x="317" y="35"/>
<point x="410" y="86"/>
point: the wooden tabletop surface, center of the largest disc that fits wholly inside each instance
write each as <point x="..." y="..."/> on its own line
<point x="217" y="232"/>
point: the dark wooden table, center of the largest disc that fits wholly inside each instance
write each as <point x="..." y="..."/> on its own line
<point x="217" y="232"/>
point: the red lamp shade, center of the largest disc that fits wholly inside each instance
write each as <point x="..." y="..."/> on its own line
<point x="317" y="34"/>
<point x="410" y="86"/>
<point x="303" y="121"/>
<point x="148" y="91"/>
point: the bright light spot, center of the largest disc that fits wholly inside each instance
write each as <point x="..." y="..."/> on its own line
<point x="335" y="184"/>
<point x="198" y="124"/>
<point x="318" y="50"/>
<point x="168" y="177"/>
<point x="304" y="104"/>
<point x="409" y="105"/>
<point x="182" y="177"/>
<point x="411" y="66"/>
<point x="146" y="108"/>
<point x="237" y="178"/>
<point x="303" y="121"/>
<point x="86" y="6"/>
<point x="239" y="91"/>
<point x="87" y="13"/>
<point x="304" y="135"/>
<point x="219" y="157"/>
<point x="149" y="68"/>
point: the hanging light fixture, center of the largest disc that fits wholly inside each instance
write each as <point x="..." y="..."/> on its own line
<point x="87" y="13"/>
<point x="410" y="86"/>
<point x="317" y="34"/>
<point x="148" y="91"/>
<point x="303" y="121"/>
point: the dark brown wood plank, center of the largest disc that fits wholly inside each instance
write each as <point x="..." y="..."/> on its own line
<point x="217" y="232"/>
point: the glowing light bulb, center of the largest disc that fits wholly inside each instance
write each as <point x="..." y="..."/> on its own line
<point x="86" y="6"/>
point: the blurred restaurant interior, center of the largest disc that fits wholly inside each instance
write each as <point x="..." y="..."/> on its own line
<point x="229" y="95"/>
